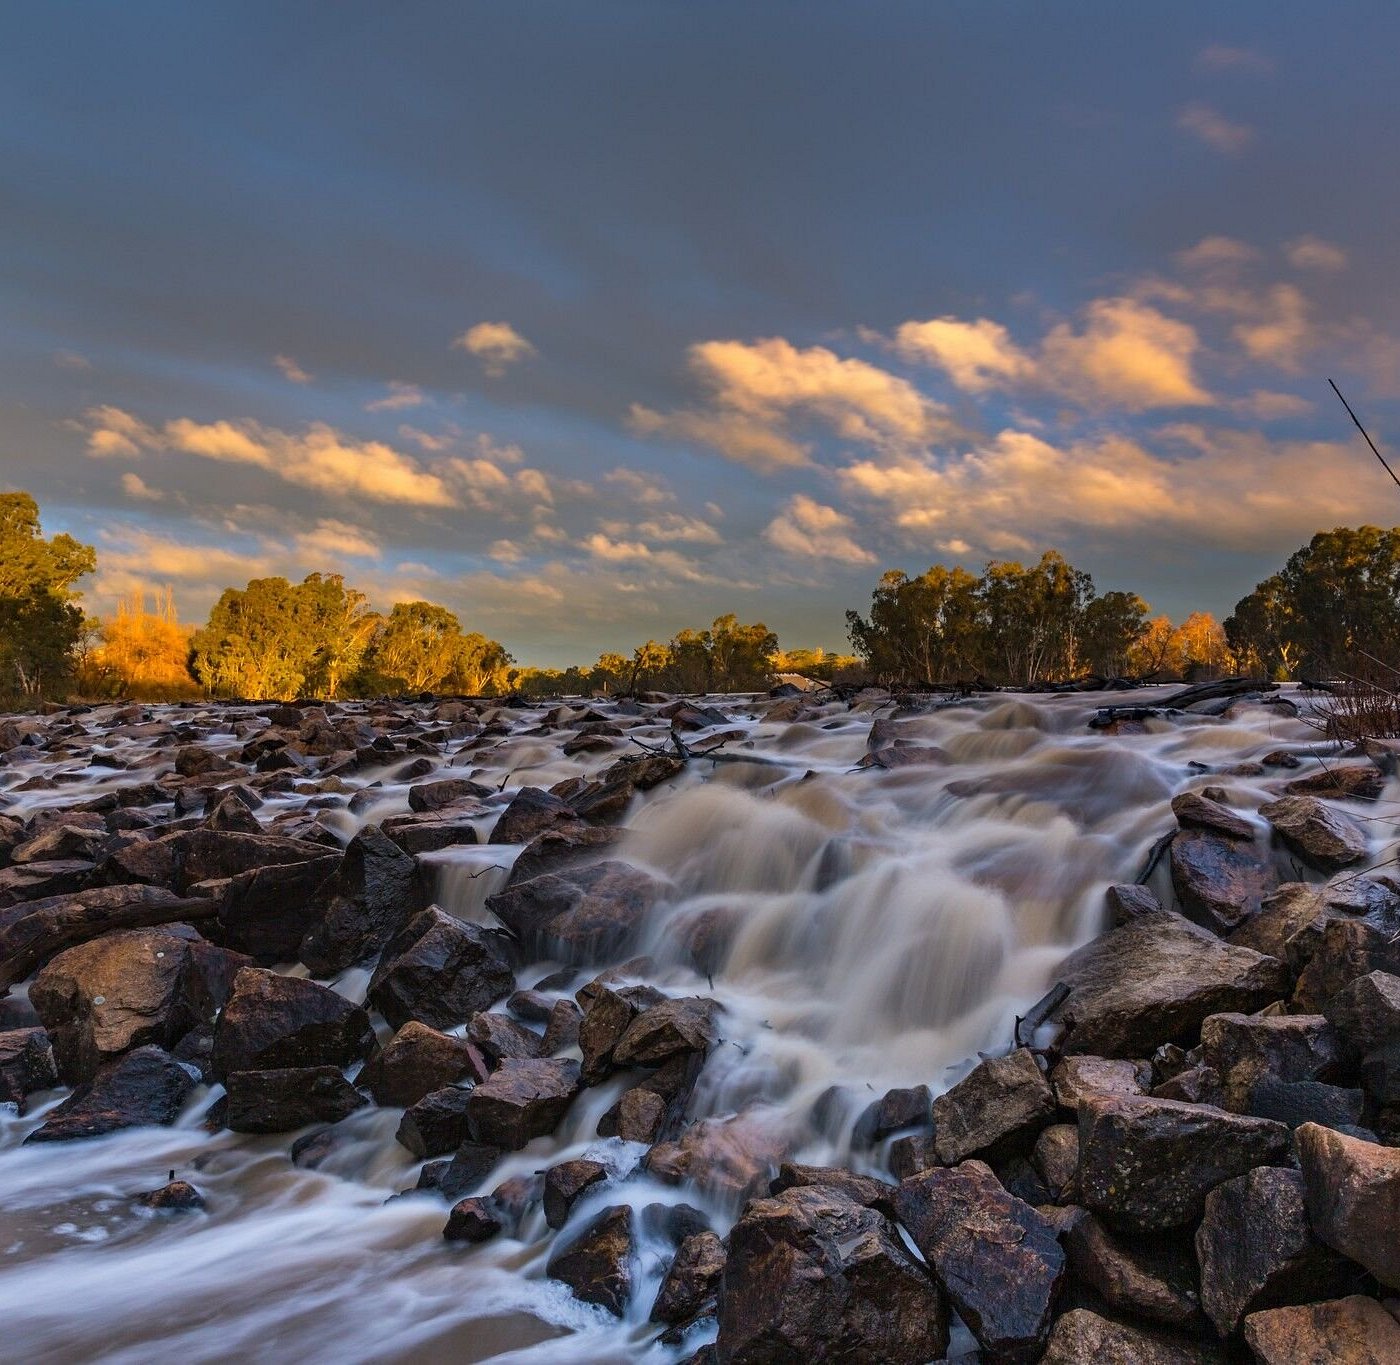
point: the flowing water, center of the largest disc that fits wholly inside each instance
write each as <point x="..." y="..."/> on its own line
<point x="886" y="924"/>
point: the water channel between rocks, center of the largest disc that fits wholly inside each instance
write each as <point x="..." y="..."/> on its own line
<point x="884" y="924"/>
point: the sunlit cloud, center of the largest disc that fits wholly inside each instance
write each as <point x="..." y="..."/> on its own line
<point x="1214" y="254"/>
<point x="976" y="355"/>
<point x="1281" y="333"/>
<point x="807" y="528"/>
<point x="1313" y="253"/>
<point x="400" y="395"/>
<point x="1214" y="129"/>
<point x="743" y="439"/>
<point x="496" y="344"/>
<point x="136" y="488"/>
<point x="291" y="371"/>
<point x="71" y="360"/>
<point x="337" y="540"/>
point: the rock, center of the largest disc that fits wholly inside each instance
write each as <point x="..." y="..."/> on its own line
<point x="1366" y="1012"/>
<point x="36" y="881"/>
<point x="374" y="895"/>
<point x="26" y="1065"/>
<point x="1340" y="949"/>
<point x="1256" y="1249"/>
<point x="1353" y="781"/>
<point x="267" y="911"/>
<point x="177" y="1196"/>
<point x="59" y="842"/>
<point x="447" y="791"/>
<point x="690" y="1288"/>
<point x="439" y="971"/>
<point x="1220" y="881"/>
<point x="1000" y="1100"/>
<point x="1380" y="1073"/>
<point x="1292" y="907"/>
<point x="1245" y="1049"/>
<point x="1351" y="1331"/>
<point x="667" y="1028"/>
<point x="438" y="1123"/>
<point x="1147" y="1164"/>
<point x="429" y="833"/>
<point x="565" y="1183"/>
<point x="1153" y="981"/>
<point x="1195" y="810"/>
<point x="183" y="858"/>
<point x="609" y="797"/>
<point x="1299" y="1102"/>
<point x="1151" y="1278"/>
<point x="521" y="1100"/>
<point x="474" y="1220"/>
<point x="1352" y="1191"/>
<point x="554" y="850"/>
<point x="142" y="1087"/>
<point x="910" y="1155"/>
<point x="997" y="1258"/>
<point x="597" y="1264"/>
<point x="703" y="935"/>
<point x="859" y="1189"/>
<point x="813" y="1276"/>
<point x="1195" y="1085"/>
<point x="607" y="1015"/>
<point x="498" y="1036"/>
<point x="1319" y="835"/>
<point x="104" y="997"/>
<point x="471" y="1163"/>
<point x="911" y="1107"/>
<point x="1084" y="1338"/>
<point x="417" y="1060"/>
<point x="1056" y="1158"/>
<point x="277" y="1101"/>
<point x="1130" y="902"/>
<point x="1077" y="1077"/>
<point x="562" y="1028"/>
<point x="580" y="913"/>
<point x="531" y="812"/>
<point x="638" y="1116"/>
<point x="232" y="815"/>
<point x="271" y="1022"/>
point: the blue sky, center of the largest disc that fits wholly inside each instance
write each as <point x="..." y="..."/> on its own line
<point x="595" y="321"/>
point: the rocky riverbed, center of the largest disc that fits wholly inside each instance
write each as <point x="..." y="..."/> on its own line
<point x="737" y="1029"/>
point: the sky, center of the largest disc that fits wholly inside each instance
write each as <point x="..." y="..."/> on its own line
<point x="595" y="321"/>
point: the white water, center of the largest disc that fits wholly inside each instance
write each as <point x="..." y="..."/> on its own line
<point x="886" y="928"/>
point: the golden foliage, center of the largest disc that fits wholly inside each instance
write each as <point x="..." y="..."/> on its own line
<point x="143" y="653"/>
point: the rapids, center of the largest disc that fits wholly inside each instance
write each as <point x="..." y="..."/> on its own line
<point x="887" y="924"/>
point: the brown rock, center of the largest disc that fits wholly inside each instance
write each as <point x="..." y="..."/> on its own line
<point x="1195" y="810"/>
<point x="1355" y="781"/>
<point x="731" y="1158"/>
<point x="1077" y="1077"/>
<point x="1085" y="1338"/>
<point x="1245" y="1049"/>
<point x="531" y="812"/>
<point x="1149" y="1277"/>
<point x="1352" y="1190"/>
<point x="690" y="1288"/>
<point x="1352" y="1331"/>
<point x="522" y="1099"/>
<point x="474" y="1220"/>
<point x="859" y="1189"/>
<point x="1130" y="902"/>
<point x="667" y="1028"/>
<point x="144" y="1086"/>
<point x="565" y="1183"/>
<point x="1319" y="835"/>
<point x="1000" y="1100"/>
<point x="1220" y="881"/>
<point x="498" y="1036"/>
<point x="1056" y="1157"/>
<point x="26" y="1065"/>
<point x="267" y="911"/>
<point x="417" y="1060"/>
<point x="607" y="1015"/>
<point x="178" y="1196"/>
<point x="1366" y="1012"/>
<point x="438" y="1123"/>
<point x="277" y="1101"/>
<point x="597" y="1264"/>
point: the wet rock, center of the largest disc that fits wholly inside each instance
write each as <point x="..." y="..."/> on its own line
<point x="638" y="1116"/>
<point x="911" y="1107"/>
<point x="565" y="1183"/>
<point x="1283" y="913"/>
<point x="910" y="1155"/>
<point x="447" y="791"/>
<point x="608" y="798"/>
<point x="183" y="858"/>
<point x="267" y="911"/>
<point x="176" y="1196"/>
<point x="312" y="1150"/>
<point x="26" y="1065"/>
<point x="1245" y="1049"/>
<point x="1077" y="1077"/>
<point x="439" y="971"/>
<point x="1323" y="837"/>
<point x="690" y="1288"/>
<point x="1147" y="1164"/>
<point x="1000" y="1100"/>
<point x="471" y="1163"/>
<point x="232" y="815"/>
<point x="1129" y="902"/>
<point x="475" y="1220"/>
<point x="1356" y="781"/>
<point x="1149" y="1277"/>
<point x="418" y="1060"/>
<point x="271" y="1022"/>
<point x="277" y="1101"/>
<point x="859" y="1189"/>
<point x="438" y="1123"/>
<point x="580" y="913"/>
<point x="597" y="1264"/>
<point x="732" y="1158"/>
<point x="377" y="891"/>
<point x="1351" y="1331"/>
<point x="1366" y="1012"/>
<point x="997" y="1258"/>
<point x="813" y="1276"/>
<point x="143" y="1087"/>
<point x="104" y="997"/>
<point x="59" y="842"/>
<point x="607" y="1015"/>
<point x="531" y="812"/>
<point x="1195" y="810"/>
<point x="498" y="1036"/>
<point x="1256" y="1249"/>
<point x="562" y="1028"/>
<point x="1056" y="1158"/>
<point x="1153" y="981"/>
<point x="667" y="1028"/>
<point x="1341" y="949"/>
<point x="705" y="934"/>
<point x="1084" y="1338"/>
<point x="554" y="850"/>
<point x="429" y="833"/>
<point x="521" y="1100"/>
<point x="36" y="881"/>
<point x="1220" y="881"/>
<point x="1352" y="1191"/>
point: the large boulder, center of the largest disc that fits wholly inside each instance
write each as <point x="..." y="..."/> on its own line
<point x="608" y="1014"/>
<point x="668" y="1029"/>
<point x="439" y="971"/>
<point x="1001" y="1100"/>
<point x="1153" y="980"/>
<point x="416" y="1061"/>
<point x="1352" y="1191"/>
<point x="812" y="1275"/>
<point x="1220" y="880"/>
<point x="1144" y="1277"/>
<point x="143" y="1087"/>
<point x="1351" y="1331"/>
<point x="272" y="1022"/>
<point x="280" y="1100"/>
<point x="267" y="911"/>
<point x="186" y="857"/>
<point x="598" y="1264"/>
<point x="690" y="1288"/>
<point x="1366" y="1013"/>
<point x="997" y="1258"/>
<point x="1340" y="946"/>
<point x="531" y="812"/>
<point x="1316" y="833"/>
<point x="521" y="1100"/>
<point x="1082" y="1337"/>
<point x="553" y="850"/>
<point x="1146" y="1164"/>
<point x="1246" y="1049"/>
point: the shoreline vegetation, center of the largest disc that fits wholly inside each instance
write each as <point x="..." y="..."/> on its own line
<point x="1329" y="613"/>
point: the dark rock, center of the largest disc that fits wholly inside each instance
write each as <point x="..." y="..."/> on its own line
<point x="581" y="912"/>
<point x="1130" y="902"/>
<point x="60" y="842"/>
<point x="1256" y="1249"/>
<point x="267" y="911"/>
<point x="608" y="798"/>
<point x="1147" y="1164"/>
<point x="1323" y="837"/>
<point x="667" y="1028"/>
<point x="1299" y="1102"/>
<point x="597" y="1264"/>
<point x="638" y="1116"/>
<point x="562" y="1027"/>
<point x="910" y="1155"/>
<point x="1077" y="1077"/>
<point x="997" y="1258"/>
<point x="859" y="1189"/>
<point x="185" y="857"/>
<point x="471" y="1163"/>
<point x="145" y="1086"/>
<point x="905" y="1108"/>
<point x="1356" y="781"/>
<point x="812" y="1276"/>
<point x="1352" y="1191"/>
<point x="1195" y="1085"/>
<point x="498" y="1036"/>
<point x="429" y="833"/>
<point x="607" y="1015"/>
<point x="1056" y="1157"/>
<point x="416" y="1061"/>
<point x="731" y="1158"/>
<point x="438" y="1123"/>
<point x="553" y="850"/>
<point x="232" y="815"/>
<point x="1220" y="881"/>
<point x="1380" y="1073"/>
<point x="1366" y="1012"/>
<point x="565" y="1183"/>
<point x="40" y="881"/>
<point x="1084" y="1338"/>
<point x="271" y="1022"/>
<point x="1000" y="1100"/>
<point x="440" y="971"/>
<point x="474" y="1220"/>
<point x="448" y="791"/>
<point x="521" y="1100"/>
<point x="690" y="1287"/>
<point x="1283" y="913"/>
<point x="26" y="1065"/>
<point x="1351" y="1331"/>
<point x="277" y="1101"/>
<point x="704" y="935"/>
<point x="1153" y="981"/>
<point x="1245" y="1049"/>
<point x="178" y="1196"/>
<point x="1150" y="1277"/>
<point x="1340" y="949"/>
<point x="531" y="812"/>
<point x="1195" y="810"/>
<point x="311" y="1150"/>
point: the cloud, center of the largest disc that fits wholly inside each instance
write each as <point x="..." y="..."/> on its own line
<point x="400" y="395"/>
<point x="506" y="552"/>
<point x="743" y="439"/>
<point x="1216" y="255"/>
<point x="496" y="344"/>
<point x="647" y="490"/>
<point x="112" y="431"/>
<point x="976" y="355"/>
<point x="291" y="370"/>
<point x="808" y="528"/>
<point x="217" y="441"/>
<point x="338" y="539"/>
<point x="71" y="360"/>
<point x="134" y="486"/>
<point x="1313" y="253"/>
<point x="483" y="484"/>
<point x="1281" y="332"/>
<point x="1214" y="129"/>
<point x="1268" y="405"/>
<point x="1219" y="57"/>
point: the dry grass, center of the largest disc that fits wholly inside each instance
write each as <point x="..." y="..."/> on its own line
<point x="1360" y="709"/>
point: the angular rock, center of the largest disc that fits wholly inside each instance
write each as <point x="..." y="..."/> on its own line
<point x="859" y="1189"/>
<point x="26" y="1065"/>
<point x="565" y="1183"/>
<point x="1339" y="950"/>
<point x="580" y="913"/>
<point x="439" y="971"/>
<point x="447" y="791"/>
<point x="665" y="1029"/>
<point x="909" y="1107"/>
<point x="521" y="1100"/>
<point x="1076" y="1077"/>
<point x="475" y="1220"/>
<point x="1351" y="1331"/>
<point x="1195" y="810"/>
<point x="142" y="1087"/>
<point x="1319" y="835"/>
<point x="1146" y="1165"/>
<point x="690" y="1288"/>
<point x="1366" y="1012"/>
<point x="1130" y="902"/>
<point x="178" y="1196"/>
<point x="554" y="850"/>
<point x="530" y="813"/>
<point x="438" y="1123"/>
<point x="271" y="1022"/>
<point x="42" y="881"/>
<point x="1152" y="1278"/>
<point x="1283" y="913"/>
<point x="1245" y="1049"/>
<point x="1000" y="1100"/>
<point x="59" y="842"/>
<point x="1352" y="1192"/>
<point x="609" y="797"/>
<point x="471" y="1163"/>
<point x="1298" y="1102"/>
<point x="498" y="1036"/>
<point x="278" y="1101"/>
<point x="1354" y="781"/>
<point x="607" y="1015"/>
<point x="1220" y="881"/>
<point x="597" y="1264"/>
<point x="998" y="1260"/>
<point x="562" y="1028"/>
<point x="267" y="911"/>
<point x="417" y="1060"/>
<point x="1084" y="1338"/>
<point x="812" y="1276"/>
<point x="1056" y="1157"/>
